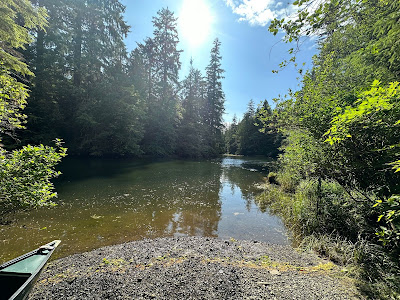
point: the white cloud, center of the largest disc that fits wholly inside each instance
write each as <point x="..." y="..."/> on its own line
<point x="256" y="12"/>
<point x="259" y="12"/>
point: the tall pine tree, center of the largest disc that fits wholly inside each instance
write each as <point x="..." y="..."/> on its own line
<point x="163" y="59"/>
<point x="89" y="100"/>
<point x="191" y="130"/>
<point x="215" y="100"/>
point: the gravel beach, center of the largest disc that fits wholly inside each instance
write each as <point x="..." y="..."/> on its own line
<point x="193" y="268"/>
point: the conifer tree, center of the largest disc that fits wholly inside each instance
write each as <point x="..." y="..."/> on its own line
<point x="191" y="129"/>
<point x="231" y="137"/>
<point x="25" y="173"/>
<point x="13" y="70"/>
<point x="249" y="138"/>
<point x="215" y="99"/>
<point x="89" y="100"/>
<point x="160" y="134"/>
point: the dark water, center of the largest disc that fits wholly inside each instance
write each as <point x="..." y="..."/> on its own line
<point x="104" y="202"/>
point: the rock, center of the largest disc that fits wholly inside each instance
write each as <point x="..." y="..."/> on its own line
<point x="203" y="274"/>
<point x="275" y="272"/>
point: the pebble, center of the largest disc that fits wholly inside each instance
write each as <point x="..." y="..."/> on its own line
<point x="164" y="270"/>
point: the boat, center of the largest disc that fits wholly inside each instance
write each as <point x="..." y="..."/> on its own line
<point x="18" y="276"/>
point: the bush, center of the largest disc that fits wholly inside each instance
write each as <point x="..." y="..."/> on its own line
<point x="25" y="176"/>
<point x="389" y="233"/>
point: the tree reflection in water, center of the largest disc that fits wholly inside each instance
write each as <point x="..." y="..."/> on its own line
<point x="104" y="202"/>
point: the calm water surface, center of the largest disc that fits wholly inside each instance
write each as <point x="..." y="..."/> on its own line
<point x="104" y="202"/>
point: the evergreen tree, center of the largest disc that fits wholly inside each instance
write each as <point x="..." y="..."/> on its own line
<point x="231" y="137"/>
<point x="246" y="130"/>
<point x="89" y="102"/>
<point x="141" y="69"/>
<point x="103" y="103"/>
<point x="270" y="140"/>
<point x="49" y="57"/>
<point x="249" y="138"/>
<point x="13" y="70"/>
<point x="25" y="174"/>
<point x="191" y="129"/>
<point x="163" y="64"/>
<point x="215" y="100"/>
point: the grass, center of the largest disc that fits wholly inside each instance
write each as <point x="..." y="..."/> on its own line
<point x="338" y="225"/>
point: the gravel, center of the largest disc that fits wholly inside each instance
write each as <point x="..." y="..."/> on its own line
<point x="193" y="268"/>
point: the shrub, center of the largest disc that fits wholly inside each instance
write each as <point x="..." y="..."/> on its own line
<point x="25" y="176"/>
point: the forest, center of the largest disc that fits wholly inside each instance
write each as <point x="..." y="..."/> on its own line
<point x="249" y="137"/>
<point x="67" y="81"/>
<point x="339" y="173"/>
<point x="103" y="101"/>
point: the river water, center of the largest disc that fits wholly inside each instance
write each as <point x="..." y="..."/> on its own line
<point x="105" y="202"/>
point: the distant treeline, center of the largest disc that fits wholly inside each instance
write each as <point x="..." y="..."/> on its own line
<point x="249" y="137"/>
<point x="103" y="101"/>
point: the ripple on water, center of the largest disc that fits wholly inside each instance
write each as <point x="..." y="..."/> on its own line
<point x="146" y="200"/>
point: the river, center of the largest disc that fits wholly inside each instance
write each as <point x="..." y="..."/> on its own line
<point x="103" y="202"/>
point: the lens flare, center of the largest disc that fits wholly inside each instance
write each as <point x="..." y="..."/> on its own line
<point x="195" y="20"/>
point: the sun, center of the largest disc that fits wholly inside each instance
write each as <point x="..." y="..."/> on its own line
<point x="195" y="21"/>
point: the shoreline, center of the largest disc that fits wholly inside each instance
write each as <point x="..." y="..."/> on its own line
<point x="193" y="268"/>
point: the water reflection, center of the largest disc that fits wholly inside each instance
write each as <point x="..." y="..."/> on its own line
<point x="103" y="202"/>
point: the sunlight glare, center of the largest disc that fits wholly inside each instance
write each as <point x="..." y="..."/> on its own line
<point x="195" y="22"/>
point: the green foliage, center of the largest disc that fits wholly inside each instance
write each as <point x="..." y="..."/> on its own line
<point x="99" y="100"/>
<point x="372" y="123"/>
<point x="13" y="96"/>
<point x="231" y="138"/>
<point x="336" y="103"/>
<point x="375" y="274"/>
<point x="182" y="118"/>
<point x="389" y="233"/>
<point x="90" y="101"/>
<point x="157" y="63"/>
<point x="215" y="100"/>
<point x="114" y="127"/>
<point x="304" y="156"/>
<point x="191" y="130"/>
<point x="364" y="31"/>
<point x="337" y="224"/>
<point x="336" y="249"/>
<point x="248" y="138"/>
<point x="25" y="176"/>
<point x="321" y="207"/>
<point x="377" y="112"/>
<point x="18" y="17"/>
<point x="342" y="133"/>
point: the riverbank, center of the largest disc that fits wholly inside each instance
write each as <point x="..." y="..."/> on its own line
<point x="193" y="268"/>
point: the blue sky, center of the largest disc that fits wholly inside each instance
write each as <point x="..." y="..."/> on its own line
<point x="249" y="52"/>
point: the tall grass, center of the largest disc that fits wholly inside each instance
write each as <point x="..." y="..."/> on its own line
<point x="339" y="225"/>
